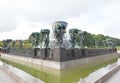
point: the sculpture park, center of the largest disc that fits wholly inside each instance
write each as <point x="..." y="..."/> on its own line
<point x="55" y="51"/>
<point x="48" y="48"/>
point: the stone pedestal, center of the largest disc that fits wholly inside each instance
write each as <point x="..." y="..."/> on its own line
<point x="59" y="54"/>
<point x="43" y="53"/>
<point x="63" y="54"/>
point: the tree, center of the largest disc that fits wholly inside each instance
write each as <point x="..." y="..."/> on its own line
<point x="1" y="44"/>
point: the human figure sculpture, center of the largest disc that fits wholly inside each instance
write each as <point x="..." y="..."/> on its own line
<point x="115" y="43"/>
<point x="13" y="44"/>
<point x="5" y="43"/>
<point x="59" y="28"/>
<point x="45" y="34"/>
<point x="36" y="36"/>
<point x="83" y="33"/>
<point x="8" y="43"/>
<point x="110" y="43"/>
<point x="104" y="43"/>
<point x="73" y="33"/>
<point x="20" y="43"/>
<point x="96" y="44"/>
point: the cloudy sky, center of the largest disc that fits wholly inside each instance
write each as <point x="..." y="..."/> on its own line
<point x="19" y="18"/>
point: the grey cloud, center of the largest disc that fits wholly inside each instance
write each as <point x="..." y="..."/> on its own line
<point x="44" y="10"/>
<point x="48" y="10"/>
<point x="113" y="28"/>
<point x="5" y="27"/>
<point x="7" y="24"/>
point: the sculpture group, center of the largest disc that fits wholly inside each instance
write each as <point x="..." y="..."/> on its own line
<point x="42" y="40"/>
<point x="60" y="48"/>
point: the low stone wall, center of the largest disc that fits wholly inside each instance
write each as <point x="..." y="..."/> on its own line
<point x="60" y="54"/>
<point x="60" y="65"/>
<point x="22" y="52"/>
<point x="88" y="60"/>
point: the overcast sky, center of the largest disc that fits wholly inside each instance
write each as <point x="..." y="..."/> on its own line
<point x="19" y="18"/>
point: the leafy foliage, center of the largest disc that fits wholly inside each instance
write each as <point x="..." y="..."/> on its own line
<point x="89" y="40"/>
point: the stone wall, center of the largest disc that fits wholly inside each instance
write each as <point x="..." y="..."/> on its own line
<point x="60" y="54"/>
<point x="21" y="52"/>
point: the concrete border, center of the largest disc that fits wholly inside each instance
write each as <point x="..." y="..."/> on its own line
<point x="5" y="68"/>
<point x="61" y="65"/>
<point x="101" y="74"/>
<point x="102" y="79"/>
<point x="19" y="75"/>
<point x="44" y="63"/>
<point x="88" y="60"/>
<point x="110" y="73"/>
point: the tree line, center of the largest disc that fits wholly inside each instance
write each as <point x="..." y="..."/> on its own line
<point x="89" y="41"/>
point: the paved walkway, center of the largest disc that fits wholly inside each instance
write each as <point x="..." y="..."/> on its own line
<point x="115" y="78"/>
<point x="6" y="78"/>
<point x="9" y="74"/>
<point x="108" y="74"/>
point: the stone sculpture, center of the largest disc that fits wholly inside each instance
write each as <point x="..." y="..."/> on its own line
<point x="73" y="33"/>
<point x="20" y="43"/>
<point x="5" y="43"/>
<point x="45" y="35"/>
<point x="59" y="29"/>
<point x="105" y="43"/>
<point x="36" y="36"/>
<point x="83" y="33"/>
<point x="96" y="44"/>
<point x="13" y="44"/>
<point x="110" y="43"/>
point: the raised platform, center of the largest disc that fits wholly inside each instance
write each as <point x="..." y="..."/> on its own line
<point x="60" y="65"/>
<point x="60" y="54"/>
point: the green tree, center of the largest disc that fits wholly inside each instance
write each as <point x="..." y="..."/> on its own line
<point x="89" y="41"/>
<point x="1" y="44"/>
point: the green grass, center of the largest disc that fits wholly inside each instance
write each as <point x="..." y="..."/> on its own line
<point x="118" y="47"/>
<point x="65" y="76"/>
